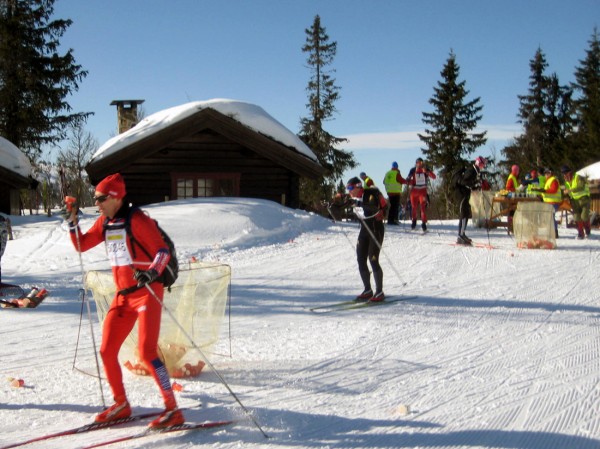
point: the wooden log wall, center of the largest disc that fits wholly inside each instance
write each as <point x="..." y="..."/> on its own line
<point x="149" y="179"/>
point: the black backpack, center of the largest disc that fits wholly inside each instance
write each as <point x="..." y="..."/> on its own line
<point x="457" y="177"/>
<point x="171" y="271"/>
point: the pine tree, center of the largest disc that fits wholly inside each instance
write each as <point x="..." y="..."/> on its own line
<point x="449" y="138"/>
<point x="322" y="96"/>
<point x="545" y="115"/>
<point x="587" y="103"/>
<point x="35" y="79"/>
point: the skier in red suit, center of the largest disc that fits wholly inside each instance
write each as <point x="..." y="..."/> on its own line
<point x="417" y="179"/>
<point x="132" y="270"/>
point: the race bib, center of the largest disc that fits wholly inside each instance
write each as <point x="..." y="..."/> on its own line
<point x="116" y="247"/>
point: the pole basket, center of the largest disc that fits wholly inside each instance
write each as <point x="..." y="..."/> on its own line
<point x="197" y="301"/>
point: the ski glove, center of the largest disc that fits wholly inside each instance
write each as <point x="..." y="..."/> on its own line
<point x="70" y="211"/>
<point x="144" y="277"/>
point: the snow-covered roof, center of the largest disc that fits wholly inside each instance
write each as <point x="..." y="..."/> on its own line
<point x="13" y="159"/>
<point x="591" y="172"/>
<point x="249" y="115"/>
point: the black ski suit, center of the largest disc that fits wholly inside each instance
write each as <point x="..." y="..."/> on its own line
<point x="370" y="238"/>
<point x="470" y="180"/>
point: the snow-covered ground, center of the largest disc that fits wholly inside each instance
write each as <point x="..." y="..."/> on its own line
<point x="499" y="348"/>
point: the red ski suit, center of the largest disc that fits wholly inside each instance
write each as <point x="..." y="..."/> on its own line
<point x="139" y="305"/>
<point x="417" y="178"/>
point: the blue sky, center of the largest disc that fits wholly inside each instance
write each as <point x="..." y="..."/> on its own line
<point x="390" y="55"/>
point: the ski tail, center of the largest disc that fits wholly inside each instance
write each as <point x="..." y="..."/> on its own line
<point x="82" y="429"/>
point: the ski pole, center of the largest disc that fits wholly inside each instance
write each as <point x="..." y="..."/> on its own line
<point x="363" y="223"/>
<point x="343" y="232"/>
<point x="70" y="204"/>
<point x="208" y="363"/>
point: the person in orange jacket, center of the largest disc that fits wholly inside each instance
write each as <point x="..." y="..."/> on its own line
<point x="551" y="193"/>
<point x="512" y="184"/>
<point x="132" y="272"/>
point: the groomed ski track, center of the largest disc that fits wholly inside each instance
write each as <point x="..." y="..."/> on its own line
<point x="500" y="348"/>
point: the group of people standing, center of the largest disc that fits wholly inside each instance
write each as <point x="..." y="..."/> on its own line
<point x="374" y="206"/>
<point x="545" y="183"/>
<point x="417" y="180"/>
<point x="372" y="209"/>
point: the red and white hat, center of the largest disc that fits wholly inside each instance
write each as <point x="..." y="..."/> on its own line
<point x="112" y="185"/>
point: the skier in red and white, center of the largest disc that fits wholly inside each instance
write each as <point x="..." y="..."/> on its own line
<point x="133" y="301"/>
<point x="417" y="179"/>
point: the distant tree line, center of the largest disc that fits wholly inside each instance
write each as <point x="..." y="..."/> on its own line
<point x="561" y="123"/>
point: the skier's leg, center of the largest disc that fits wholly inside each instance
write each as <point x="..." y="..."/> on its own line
<point x="117" y="325"/>
<point x="362" y="253"/>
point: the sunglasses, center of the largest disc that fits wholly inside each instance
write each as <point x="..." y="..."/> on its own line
<point x="101" y="198"/>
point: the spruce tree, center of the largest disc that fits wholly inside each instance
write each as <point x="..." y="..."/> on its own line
<point x="449" y="137"/>
<point x="35" y="78"/>
<point x="545" y="115"/>
<point x="322" y="96"/>
<point x="587" y="103"/>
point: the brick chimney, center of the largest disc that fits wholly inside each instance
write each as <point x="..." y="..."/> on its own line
<point x="126" y="113"/>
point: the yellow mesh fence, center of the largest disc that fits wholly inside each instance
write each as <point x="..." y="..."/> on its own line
<point x="197" y="301"/>
<point x="533" y="225"/>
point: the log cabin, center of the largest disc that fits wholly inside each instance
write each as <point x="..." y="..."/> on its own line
<point x="206" y="149"/>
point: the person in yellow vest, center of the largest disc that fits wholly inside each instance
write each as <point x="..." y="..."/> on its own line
<point x="512" y="183"/>
<point x="578" y="190"/>
<point x="367" y="181"/>
<point x="532" y="181"/>
<point x="541" y="177"/>
<point x="393" y="181"/>
<point x="551" y="193"/>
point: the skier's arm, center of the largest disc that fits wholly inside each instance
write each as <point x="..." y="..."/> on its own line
<point x="383" y="205"/>
<point x="94" y="236"/>
<point x="400" y="179"/>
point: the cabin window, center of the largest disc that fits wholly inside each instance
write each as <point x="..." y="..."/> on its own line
<point x="202" y="185"/>
<point x="185" y="188"/>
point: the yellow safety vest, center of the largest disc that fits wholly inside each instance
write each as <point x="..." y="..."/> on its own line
<point x="390" y="182"/>
<point x="578" y="187"/>
<point x="515" y="181"/>
<point x="551" y="197"/>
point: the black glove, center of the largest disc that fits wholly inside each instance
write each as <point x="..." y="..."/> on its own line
<point x="144" y="277"/>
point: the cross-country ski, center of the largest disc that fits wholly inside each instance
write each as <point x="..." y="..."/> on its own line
<point x="186" y="427"/>
<point x="359" y="304"/>
<point x="83" y="429"/>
